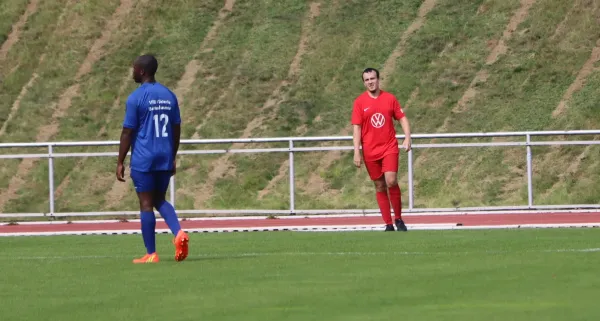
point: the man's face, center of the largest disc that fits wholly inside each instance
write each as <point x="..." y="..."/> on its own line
<point x="370" y="80"/>
<point x="137" y="73"/>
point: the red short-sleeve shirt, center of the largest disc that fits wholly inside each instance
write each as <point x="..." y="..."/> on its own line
<point x="376" y="117"/>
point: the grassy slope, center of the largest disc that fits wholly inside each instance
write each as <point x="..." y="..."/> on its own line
<point x="248" y="62"/>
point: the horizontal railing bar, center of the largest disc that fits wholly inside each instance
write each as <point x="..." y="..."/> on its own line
<point x="314" y="138"/>
<point x="13" y="156"/>
<point x="308" y="149"/>
<point x="575" y="142"/>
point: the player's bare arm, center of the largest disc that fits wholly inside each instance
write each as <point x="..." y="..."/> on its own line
<point x="124" y="145"/>
<point x="406" y="129"/>
<point x="356" y="139"/>
<point x="176" y="140"/>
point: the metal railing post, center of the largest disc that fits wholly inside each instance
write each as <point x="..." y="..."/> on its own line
<point x="410" y="180"/>
<point x="51" y="179"/>
<point x="529" y="172"/>
<point x="172" y="190"/>
<point x="292" y="180"/>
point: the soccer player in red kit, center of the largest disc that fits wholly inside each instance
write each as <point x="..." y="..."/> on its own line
<point x="373" y="117"/>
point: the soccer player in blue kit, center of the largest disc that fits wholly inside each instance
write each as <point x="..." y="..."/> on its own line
<point x="152" y="128"/>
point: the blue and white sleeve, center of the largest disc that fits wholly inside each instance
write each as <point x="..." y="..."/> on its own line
<point x="131" y="119"/>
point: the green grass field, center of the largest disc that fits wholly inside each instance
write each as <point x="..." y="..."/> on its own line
<point x="546" y="274"/>
<point x="291" y="68"/>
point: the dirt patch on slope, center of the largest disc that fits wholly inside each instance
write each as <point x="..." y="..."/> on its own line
<point x="13" y="36"/>
<point x="561" y="26"/>
<point x="46" y="132"/>
<point x="390" y="63"/>
<point x="222" y="165"/>
<point x="95" y="53"/>
<point x="184" y="85"/>
<point x="519" y="16"/>
<point x="17" y="103"/>
<point x="498" y="50"/>
<point x="227" y="92"/>
<point x="586" y="70"/>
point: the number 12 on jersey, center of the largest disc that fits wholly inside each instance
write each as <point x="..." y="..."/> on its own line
<point x="164" y="118"/>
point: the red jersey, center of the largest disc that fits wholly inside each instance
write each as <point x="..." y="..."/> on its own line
<point x="376" y="117"/>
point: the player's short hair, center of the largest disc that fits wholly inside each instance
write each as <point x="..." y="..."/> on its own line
<point x="148" y="63"/>
<point x="369" y="70"/>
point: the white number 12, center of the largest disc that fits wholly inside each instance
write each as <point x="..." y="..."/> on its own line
<point x="164" y="128"/>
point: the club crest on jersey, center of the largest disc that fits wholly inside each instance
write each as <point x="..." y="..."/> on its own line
<point x="378" y="120"/>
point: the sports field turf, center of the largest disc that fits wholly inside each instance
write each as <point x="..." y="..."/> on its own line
<point x="549" y="274"/>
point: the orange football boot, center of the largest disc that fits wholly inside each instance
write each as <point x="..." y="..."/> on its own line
<point x="181" y="245"/>
<point x="148" y="258"/>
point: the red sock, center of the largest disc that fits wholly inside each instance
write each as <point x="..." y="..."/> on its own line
<point x="384" y="207"/>
<point x="396" y="200"/>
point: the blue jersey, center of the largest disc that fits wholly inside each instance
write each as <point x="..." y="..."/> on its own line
<point x="151" y="111"/>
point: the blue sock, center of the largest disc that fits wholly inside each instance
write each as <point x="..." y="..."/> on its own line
<point x="167" y="212"/>
<point x="148" y="231"/>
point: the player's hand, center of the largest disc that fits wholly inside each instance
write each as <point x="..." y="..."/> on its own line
<point x="406" y="144"/>
<point x="357" y="159"/>
<point x="174" y="168"/>
<point x="120" y="172"/>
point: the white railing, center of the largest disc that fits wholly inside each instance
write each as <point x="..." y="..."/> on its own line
<point x="527" y="142"/>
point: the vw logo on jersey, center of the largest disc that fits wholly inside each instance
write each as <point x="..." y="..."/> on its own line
<point x="378" y="120"/>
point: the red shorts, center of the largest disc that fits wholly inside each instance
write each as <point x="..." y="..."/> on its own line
<point x="376" y="168"/>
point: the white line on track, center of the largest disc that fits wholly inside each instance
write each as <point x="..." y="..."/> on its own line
<point x="263" y="254"/>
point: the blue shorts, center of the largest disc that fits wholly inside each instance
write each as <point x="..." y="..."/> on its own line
<point x="151" y="181"/>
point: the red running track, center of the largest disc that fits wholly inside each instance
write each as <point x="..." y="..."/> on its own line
<point x="465" y="220"/>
